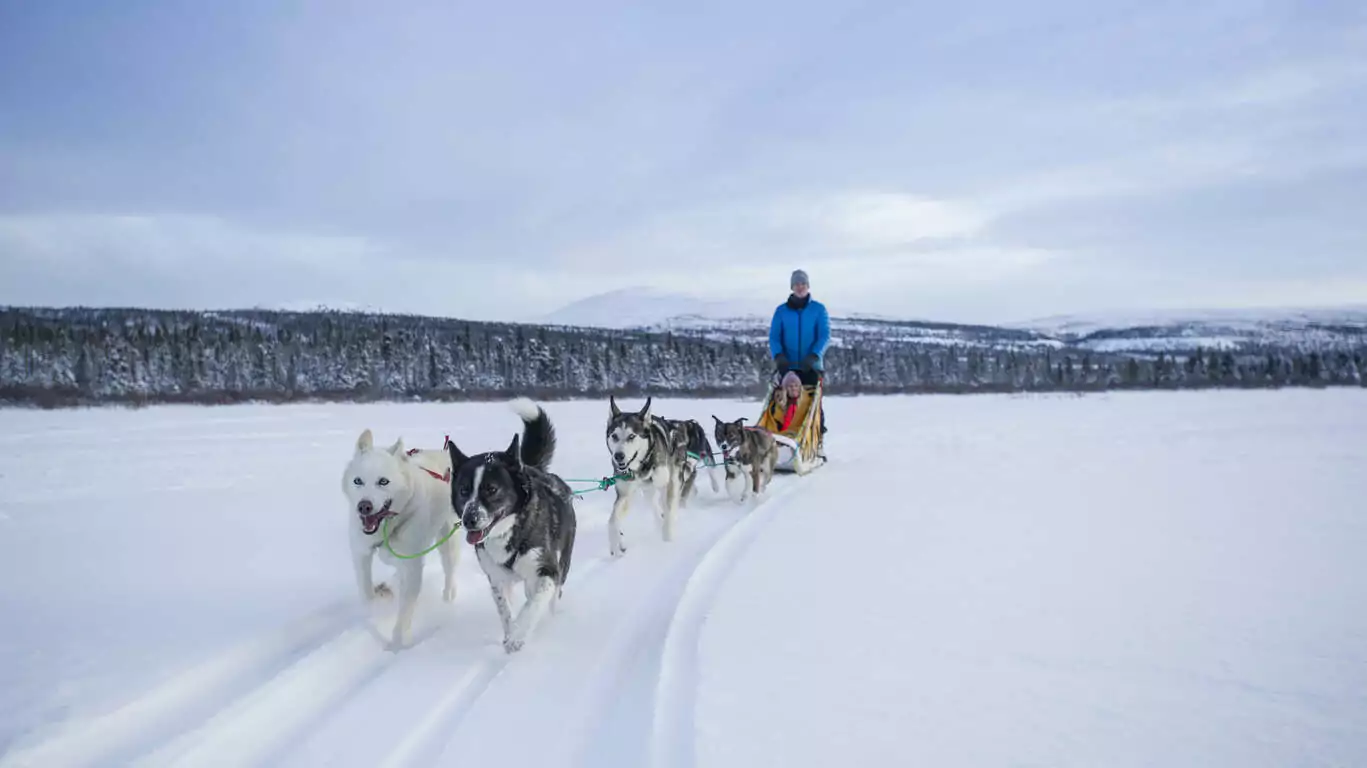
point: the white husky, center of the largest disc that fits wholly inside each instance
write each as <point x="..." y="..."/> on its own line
<point x="412" y="491"/>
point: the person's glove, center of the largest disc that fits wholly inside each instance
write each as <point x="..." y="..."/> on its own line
<point x="809" y="362"/>
<point x="781" y="361"/>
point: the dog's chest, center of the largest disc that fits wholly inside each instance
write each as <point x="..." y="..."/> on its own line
<point x="494" y="557"/>
<point x="508" y="557"/>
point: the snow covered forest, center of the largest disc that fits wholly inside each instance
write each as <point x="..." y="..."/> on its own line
<point x="59" y="357"/>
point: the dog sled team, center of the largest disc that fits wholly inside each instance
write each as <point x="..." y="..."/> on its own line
<point x="518" y="515"/>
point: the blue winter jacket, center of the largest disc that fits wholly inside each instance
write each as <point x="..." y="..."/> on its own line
<point x="800" y="332"/>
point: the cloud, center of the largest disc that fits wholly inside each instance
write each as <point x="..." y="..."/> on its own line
<point x="975" y="160"/>
<point x="781" y="228"/>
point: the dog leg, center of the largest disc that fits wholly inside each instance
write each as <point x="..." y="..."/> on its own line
<point x="671" y="507"/>
<point x="365" y="581"/>
<point x="689" y="488"/>
<point x="616" y="540"/>
<point x="531" y="613"/>
<point x="450" y="558"/>
<point x="502" y="594"/>
<point x="741" y="473"/>
<point x="410" y="585"/>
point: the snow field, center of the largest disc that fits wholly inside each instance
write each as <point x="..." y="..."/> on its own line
<point x="1129" y="579"/>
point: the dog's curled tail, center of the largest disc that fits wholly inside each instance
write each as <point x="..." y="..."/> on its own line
<point x="538" y="436"/>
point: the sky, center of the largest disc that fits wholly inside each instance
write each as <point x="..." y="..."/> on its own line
<point x="971" y="161"/>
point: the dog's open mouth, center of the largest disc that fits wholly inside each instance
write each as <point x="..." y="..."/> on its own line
<point x="371" y="523"/>
<point x="473" y="536"/>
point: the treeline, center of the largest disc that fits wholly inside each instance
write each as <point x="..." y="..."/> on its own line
<point x="56" y="357"/>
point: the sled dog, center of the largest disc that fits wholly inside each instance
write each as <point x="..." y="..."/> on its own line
<point x="697" y="455"/>
<point x="752" y="449"/>
<point x="409" y="491"/>
<point x="646" y="457"/>
<point x="520" y="519"/>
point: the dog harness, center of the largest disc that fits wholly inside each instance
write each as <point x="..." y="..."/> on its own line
<point x="445" y="477"/>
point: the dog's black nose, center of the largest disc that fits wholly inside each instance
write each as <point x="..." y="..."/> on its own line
<point x="619" y="457"/>
<point x="365" y="508"/>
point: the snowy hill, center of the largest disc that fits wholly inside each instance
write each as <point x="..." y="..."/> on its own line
<point x="649" y="309"/>
<point x="1079" y="325"/>
<point x="1182" y="330"/>
<point x="640" y="308"/>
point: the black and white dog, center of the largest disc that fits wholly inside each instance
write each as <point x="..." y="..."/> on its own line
<point x="752" y="449"/>
<point x="520" y="519"/>
<point x="645" y="456"/>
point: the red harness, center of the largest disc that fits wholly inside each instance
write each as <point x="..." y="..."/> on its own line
<point x="446" y="478"/>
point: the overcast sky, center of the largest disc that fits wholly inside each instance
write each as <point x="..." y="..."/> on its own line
<point x="967" y="161"/>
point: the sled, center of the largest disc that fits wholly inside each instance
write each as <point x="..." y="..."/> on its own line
<point x="798" y="446"/>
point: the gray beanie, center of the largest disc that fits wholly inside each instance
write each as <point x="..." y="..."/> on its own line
<point x="799" y="277"/>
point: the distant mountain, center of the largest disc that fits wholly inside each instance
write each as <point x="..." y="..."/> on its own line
<point x="1185" y="330"/>
<point x="651" y="308"/>
<point x="1138" y="332"/>
<point x="1078" y="325"/>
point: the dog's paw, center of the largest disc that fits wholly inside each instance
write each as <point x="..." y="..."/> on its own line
<point x="449" y="594"/>
<point x="512" y="646"/>
<point x="382" y="590"/>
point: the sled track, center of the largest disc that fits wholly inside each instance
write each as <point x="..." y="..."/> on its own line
<point x="625" y="697"/>
<point x="245" y="703"/>
<point x="672" y="732"/>
<point x="277" y="698"/>
<point x="176" y="704"/>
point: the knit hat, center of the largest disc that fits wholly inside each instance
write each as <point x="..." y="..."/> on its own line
<point x="799" y="278"/>
<point x="792" y="375"/>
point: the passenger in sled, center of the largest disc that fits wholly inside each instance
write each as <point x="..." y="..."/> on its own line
<point x="790" y="398"/>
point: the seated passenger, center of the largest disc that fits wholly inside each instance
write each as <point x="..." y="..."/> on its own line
<point x="783" y="409"/>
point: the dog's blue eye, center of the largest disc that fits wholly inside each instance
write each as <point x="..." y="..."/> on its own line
<point x="383" y="481"/>
<point x="357" y="481"/>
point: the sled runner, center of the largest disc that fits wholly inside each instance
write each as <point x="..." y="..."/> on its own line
<point x="798" y="445"/>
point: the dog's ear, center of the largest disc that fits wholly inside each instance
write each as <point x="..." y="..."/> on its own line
<point x="397" y="449"/>
<point x="719" y="421"/>
<point x="365" y="441"/>
<point x="612" y="401"/>
<point x="514" y="452"/>
<point x="739" y="422"/>
<point x="644" y="413"/>
<point x="457" y="458"/>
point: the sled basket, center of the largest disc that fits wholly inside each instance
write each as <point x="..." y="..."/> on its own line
<point x="797" y="447"/>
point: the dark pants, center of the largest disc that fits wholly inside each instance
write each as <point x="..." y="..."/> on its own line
<point x="809" y="379"/>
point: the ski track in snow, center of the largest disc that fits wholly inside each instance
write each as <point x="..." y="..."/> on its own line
<point x="672" y="738"/>
<point x="245" y="705"/>
<point x="281" y="696"/>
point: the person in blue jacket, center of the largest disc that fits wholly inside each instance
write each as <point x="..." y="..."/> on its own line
<point x="798" y="335"/>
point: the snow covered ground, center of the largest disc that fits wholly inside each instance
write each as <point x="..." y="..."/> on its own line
<point x="1132" y="579"/>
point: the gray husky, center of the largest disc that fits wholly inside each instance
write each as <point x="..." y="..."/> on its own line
<point x="645" y="455"/>
<point x="697" y="455"/>
<point x="753" y="449"/>
<point x="520" y="519"/>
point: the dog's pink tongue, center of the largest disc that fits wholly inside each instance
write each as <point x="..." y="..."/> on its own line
<point x="474" y="537"/>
